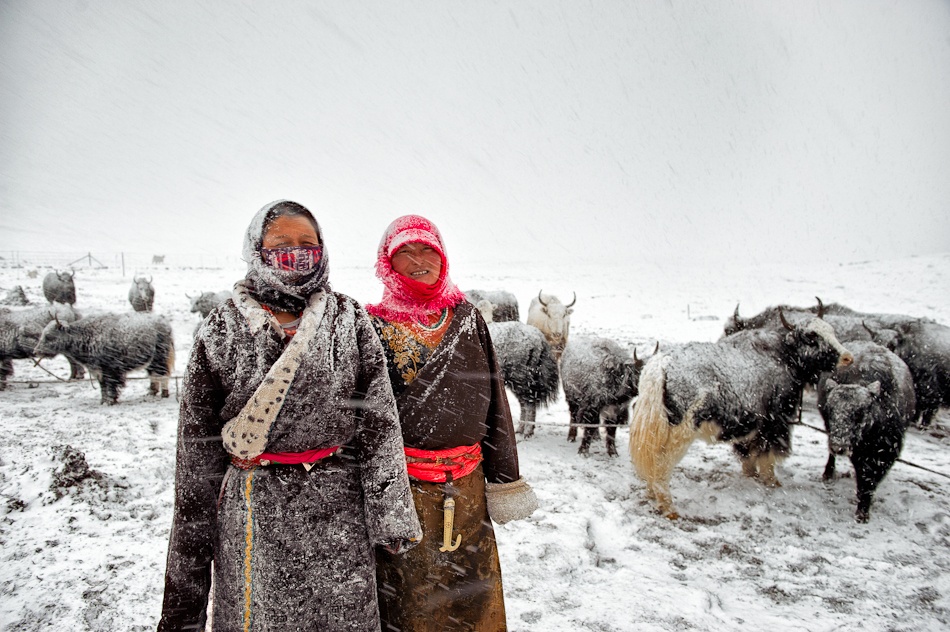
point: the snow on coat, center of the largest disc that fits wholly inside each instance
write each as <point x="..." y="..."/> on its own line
<point x="297" y="544"/>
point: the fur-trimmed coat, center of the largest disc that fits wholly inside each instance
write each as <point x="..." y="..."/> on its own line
<point x="292" y="549"/>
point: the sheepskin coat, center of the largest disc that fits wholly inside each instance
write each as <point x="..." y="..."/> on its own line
<point x="292" y="549"/>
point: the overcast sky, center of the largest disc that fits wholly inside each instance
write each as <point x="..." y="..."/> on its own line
<point x="537" y="129"/>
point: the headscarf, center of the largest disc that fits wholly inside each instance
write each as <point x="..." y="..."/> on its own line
<point x="406" y="299"/>
<point x="282" y="290"/>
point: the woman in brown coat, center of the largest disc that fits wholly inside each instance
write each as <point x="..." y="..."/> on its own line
<point x="290" y="460"/>
<point x="460" y="442"/>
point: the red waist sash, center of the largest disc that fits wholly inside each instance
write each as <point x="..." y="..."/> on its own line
<point x="284" y="458"/>
<point x="433" y="465"/>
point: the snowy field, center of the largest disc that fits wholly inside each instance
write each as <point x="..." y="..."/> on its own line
<point x="90" y="556"/>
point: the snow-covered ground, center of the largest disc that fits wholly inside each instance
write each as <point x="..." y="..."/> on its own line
<point x="594" y="557"/>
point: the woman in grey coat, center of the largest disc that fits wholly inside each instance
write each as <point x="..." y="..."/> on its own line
<point x="290" y="459"/>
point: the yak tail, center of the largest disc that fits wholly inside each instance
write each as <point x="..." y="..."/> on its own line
<point x="170" y="358"/>
<point x="656" y="446"/>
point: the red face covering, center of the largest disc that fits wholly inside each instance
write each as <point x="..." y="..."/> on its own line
<point x="405" y="299"/>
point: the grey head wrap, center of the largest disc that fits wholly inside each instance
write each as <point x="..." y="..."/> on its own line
<point x="281" y="289"/>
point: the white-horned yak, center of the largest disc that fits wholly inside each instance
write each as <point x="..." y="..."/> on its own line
<point x="112" y="345"/>
<point x="504" y="305"/>
<point x="743" y="389"/>
<point x="866" y="406"/>
<point x="553" y="318"/>
<point x="59" y="287"/>
<point x="528" y="367"/>
<point x="142" y="294"/>
<point x="599" y="378"/>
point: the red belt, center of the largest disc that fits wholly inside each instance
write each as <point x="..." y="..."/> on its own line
<point x="284" y="458"/>
<point x="434" y="465"/>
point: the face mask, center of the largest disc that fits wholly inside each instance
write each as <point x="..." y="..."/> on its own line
<point x="293" y="258"/>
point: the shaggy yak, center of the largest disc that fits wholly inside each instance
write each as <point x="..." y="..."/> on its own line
<point x="528" y="368"/>
<point x="142" y="294"/>
<point x="866" y="407"/>
<point x="20" y="331"/>
<point x="504" y="305"/>
<point x="743" y="389"/>
<point x="599" y="378"/>
<point x="111" y="345"/>
<point x="553" y="318"/>
<point x="59" y="287"/>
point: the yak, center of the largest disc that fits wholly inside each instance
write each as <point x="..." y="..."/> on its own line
<point x="599" y="378"/>
<point x="504" y="305"/>
<point x="207" y="301"/>
<point x="528" y="367"/>
<point x="924" y="346"/>
<point x="743" y="389"/>
<point x="553" y="318"/>
<point x="20" y="331"/>
<point x="59" y="287"/>
<point x="142" y="294"/>
<point x="867" y="407"/>
<point x="112" y="345"/>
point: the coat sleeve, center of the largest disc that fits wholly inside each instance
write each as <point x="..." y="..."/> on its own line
<point x="500" y="448"/>
<point x="390" y="512"/>
<point x="199" y="471"/>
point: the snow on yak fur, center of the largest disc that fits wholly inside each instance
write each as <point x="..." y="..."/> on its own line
<point x="924" y="346"/>
<point x="142" y="294"/>
<point x="743" y="389"/>
<point x="20" y="331"/>
<point x="111" y="345"/>
<point x="599" y="378"/>
<point x="866" y="407"/>
<point x="58" y="287"/>
<point x="528" y="367"/>
<point x="504" y="305"/>
<point x="553" y="318"/>
<point x="207" y="301"/>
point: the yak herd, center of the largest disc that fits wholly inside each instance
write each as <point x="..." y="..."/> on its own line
<point x="874" y="374"/>
<point x="108" y="345"/>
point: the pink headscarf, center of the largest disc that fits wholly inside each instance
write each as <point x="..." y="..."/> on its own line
<point x="406" y="299"/>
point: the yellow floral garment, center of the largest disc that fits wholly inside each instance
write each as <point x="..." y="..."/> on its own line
<point x="408" y="345"/>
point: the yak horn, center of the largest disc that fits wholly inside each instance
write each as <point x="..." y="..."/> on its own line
<point x="657" y="347"/>
<point x="541" y="300"/>
<point x="574" y="301"/>
<point x="635" y="359"/>
<point x="821" y="307"/>
<point x="150" y="279"/>
<point x="868" y="329"/>
<point x="781" y="316"/>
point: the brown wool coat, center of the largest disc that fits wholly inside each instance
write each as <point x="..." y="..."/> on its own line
<point x="457" y="398"/>
<point x="300" y="544"/>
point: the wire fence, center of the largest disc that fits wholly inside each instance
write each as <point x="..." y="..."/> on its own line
<point x="138" y="261"/>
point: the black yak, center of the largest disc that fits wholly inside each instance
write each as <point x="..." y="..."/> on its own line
<point x="59" y="287"/>
<point x="111" y="345"/>
<point x="866" y="407"/>
<point x="20" y="331"/>
<point x="924" y="346"/>
<point x="142" y="294"/>
<point x="207" y="301"/>
<point x="743" y="389"/>
<point x="599" y="378"/>
<point x="527" y="366"/>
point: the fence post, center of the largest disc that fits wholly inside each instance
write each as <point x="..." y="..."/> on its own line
<point x="123" y="265"/>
